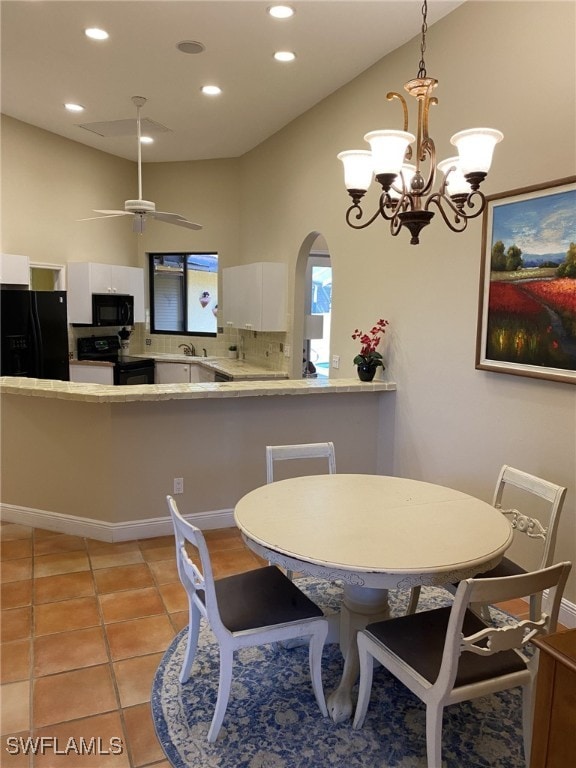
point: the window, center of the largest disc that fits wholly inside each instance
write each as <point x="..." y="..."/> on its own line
<point x="184" y="293"/>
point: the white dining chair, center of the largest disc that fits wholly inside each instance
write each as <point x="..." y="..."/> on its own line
<point x="541" y="534"/>
<point x="276" y="453"/>
<point x="248" y="609"/>
<point x="300" y="451"/>
<point x="450" y="654"/>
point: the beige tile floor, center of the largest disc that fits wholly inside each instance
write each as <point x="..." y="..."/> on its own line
<point x="84" y="625"/>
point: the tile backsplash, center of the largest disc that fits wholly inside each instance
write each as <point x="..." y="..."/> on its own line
<point x="256" y="347"/>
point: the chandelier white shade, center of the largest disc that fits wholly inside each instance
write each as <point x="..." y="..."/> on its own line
<point x="408" y="195"/>
<point x="388" y="149"/>
<point x="358" y="168"/>
<point x="475" y="148"/>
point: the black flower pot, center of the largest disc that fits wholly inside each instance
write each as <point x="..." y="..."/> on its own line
<point x="366" y="372"/>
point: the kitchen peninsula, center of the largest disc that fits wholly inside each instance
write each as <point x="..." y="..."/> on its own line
<point x="98" y="460"/>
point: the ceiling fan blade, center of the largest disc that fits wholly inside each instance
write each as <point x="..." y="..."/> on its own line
<point x="139" y="209"/>
<point x="114" y="213"/>
<point x="108" y="215"/>
<point x="175" y="218"/>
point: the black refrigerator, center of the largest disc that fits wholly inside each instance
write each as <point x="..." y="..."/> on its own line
<point x="34" y="334"/>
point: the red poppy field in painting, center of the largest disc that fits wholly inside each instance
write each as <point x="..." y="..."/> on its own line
<point x="533" y="322"/>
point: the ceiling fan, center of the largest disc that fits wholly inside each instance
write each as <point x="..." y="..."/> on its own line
<point x="140" y="209"/>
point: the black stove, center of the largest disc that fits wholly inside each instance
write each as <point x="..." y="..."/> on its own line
<point x="127" y="369"/>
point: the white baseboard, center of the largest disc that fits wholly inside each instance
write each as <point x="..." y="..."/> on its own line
<point x="147" y="529"/>
<point x="112" y="532"/>
<point x="567" y="614"/>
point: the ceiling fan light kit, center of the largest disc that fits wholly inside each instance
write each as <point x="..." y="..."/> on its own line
<point x="141" y="209"/>
<point x="407" y="194"/>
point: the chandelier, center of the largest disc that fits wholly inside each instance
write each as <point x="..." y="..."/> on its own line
<point x="407" y="188"/>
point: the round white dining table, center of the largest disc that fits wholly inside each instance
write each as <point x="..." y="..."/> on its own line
<point x="373" y="533"/>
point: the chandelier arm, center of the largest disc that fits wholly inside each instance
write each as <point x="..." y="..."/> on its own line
<point x="429" y="101"/>
<point x="395" y="226"/>
<point x="455" y="216"/>
<point x="393" y="95"/>
<point x="459" y="222"/>
<point x="359" y="213"/>
<point x="390" y="208"/>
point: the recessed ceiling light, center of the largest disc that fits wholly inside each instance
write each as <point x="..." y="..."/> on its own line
<point x="211" y="90"/>
<point x="190" y="46"/>
<point x="146" y="140"/>
<point x="96" y="34"/>
<point x="284" y="56"/>
<point x="74" y="107"/>
<point x="281" y="11"/>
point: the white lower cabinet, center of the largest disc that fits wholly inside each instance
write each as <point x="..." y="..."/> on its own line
<point x="204" y="374"/>
<point x="91" y="374"/>
<point x="182" y="373"/>
<point x="172" y="373"/>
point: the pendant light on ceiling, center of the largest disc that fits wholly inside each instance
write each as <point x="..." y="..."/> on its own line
<point x="407" y="188"/>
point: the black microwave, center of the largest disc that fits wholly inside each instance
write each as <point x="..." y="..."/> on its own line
<point x="112" y="309"/>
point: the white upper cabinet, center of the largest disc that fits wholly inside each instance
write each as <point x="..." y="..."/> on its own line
<point x="255" y="296"/>
<point x="14" y="269"/>
<point x="86" y="278"/>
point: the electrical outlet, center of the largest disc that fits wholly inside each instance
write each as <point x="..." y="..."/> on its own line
<point x="286" y="350"/>
<point x="178" y="485"/>
<point x="335" y="361"/>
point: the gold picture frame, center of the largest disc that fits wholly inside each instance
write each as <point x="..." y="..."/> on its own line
<point x="527" y="297"/>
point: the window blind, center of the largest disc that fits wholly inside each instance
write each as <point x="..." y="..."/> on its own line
<point x="168" y="302"/>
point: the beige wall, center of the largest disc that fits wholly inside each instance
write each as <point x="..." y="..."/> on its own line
<point x="48" y="183"/>
<point x="515" y="70"/>
<point x="116" y="462"/>
<point x="509" y="65"/>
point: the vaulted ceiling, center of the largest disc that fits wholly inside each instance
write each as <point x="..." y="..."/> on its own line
<point x="47" y="61"/>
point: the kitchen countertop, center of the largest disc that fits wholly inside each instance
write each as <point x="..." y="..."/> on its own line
<point x="239" y="370"/>
<point x="102" y="393"/>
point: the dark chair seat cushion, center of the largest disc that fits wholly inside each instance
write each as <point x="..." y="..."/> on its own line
<point x="419" y="639"/>
<point x="504" y="568"/>
<point x="260" y="598"/>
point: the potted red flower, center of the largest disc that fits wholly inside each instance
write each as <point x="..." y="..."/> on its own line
<point x="369" y="359"/>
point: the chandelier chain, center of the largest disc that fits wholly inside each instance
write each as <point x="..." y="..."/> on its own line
<point x="422" y="63"/>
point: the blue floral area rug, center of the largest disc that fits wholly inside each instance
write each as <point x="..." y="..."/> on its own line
<point x="273" y="721"/>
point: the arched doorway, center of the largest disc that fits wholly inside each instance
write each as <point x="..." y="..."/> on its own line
<point x="312" y="309"/>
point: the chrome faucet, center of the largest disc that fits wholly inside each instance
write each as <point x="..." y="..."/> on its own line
<point x="189" y="349"/>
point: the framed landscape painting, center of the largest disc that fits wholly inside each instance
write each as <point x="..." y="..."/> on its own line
<point x="527" y="305"/>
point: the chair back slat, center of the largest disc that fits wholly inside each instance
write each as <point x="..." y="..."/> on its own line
<point x="495" y="639"/>
<point x="518" y="633"/>
<point x="532" y="527"/>
<point x="299" y="451"/>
